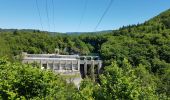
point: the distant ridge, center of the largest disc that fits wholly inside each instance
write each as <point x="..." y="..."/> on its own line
<point x="105" y="31"/>
<point x="35" y="30"/>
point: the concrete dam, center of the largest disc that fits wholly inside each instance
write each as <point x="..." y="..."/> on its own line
<point x="66" y="64"/>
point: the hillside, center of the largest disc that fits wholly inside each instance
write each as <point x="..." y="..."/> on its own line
<point x="162" y="19"/>
<point x="136" y="58"/>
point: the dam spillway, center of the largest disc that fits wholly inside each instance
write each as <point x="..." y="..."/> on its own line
<point x="65" y="64"/>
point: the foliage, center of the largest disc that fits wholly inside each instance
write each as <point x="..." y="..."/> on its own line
<point x="19" y="81"/>
<point x="122" y="83"/>
<point x="87" y="90"/>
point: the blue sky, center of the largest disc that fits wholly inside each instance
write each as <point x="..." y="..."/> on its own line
<point x="23" y="14"/>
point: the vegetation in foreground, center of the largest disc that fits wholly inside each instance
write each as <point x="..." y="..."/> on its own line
<point x="137" y="59"/>
<point x="20" y="81"/>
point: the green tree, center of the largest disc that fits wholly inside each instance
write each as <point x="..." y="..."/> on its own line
<point x="122" y="83"/>
<point x="19" y="81"/>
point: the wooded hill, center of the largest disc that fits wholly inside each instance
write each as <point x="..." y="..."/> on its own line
<point x="136" y="57"/>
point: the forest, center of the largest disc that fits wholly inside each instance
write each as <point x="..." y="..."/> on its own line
<point x="136" y="63"/>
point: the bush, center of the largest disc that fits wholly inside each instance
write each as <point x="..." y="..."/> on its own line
<point x="18" y="81"/>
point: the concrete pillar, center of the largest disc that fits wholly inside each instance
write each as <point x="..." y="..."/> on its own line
<point x="78" y="65"/>
<point x="92" y="71"/>
<point x="47" y="66"/>
<point x="41" y="64"/>
<point x="59" y="68"/>
<point x="53" y="66"/>
<point x="91" y="58"/>
<point x="99" y="66"/>
<point x="66" y="67"/>
<point x="85" y="68"/>
<point x="72" y="66"/>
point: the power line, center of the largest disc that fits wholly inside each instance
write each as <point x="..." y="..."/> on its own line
<point x="38" y="9"/>
<point x="53" y="14"/>
<point x="83" y="13"/>
<point x="47" y="15"/>
<point x="105" y="12"/>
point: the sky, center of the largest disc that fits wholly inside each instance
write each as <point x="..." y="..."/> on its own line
<point x="66" y="15"/>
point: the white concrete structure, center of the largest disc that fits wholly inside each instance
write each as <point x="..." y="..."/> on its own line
<point x="65" y="64"/>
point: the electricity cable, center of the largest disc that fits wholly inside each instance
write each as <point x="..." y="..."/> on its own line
<point x="47" y="15"/>
<point x="82" y="16"/>
<point x="103" y="15"/>
<point x="53" y="14"/>
<point x="40" y="18"/>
